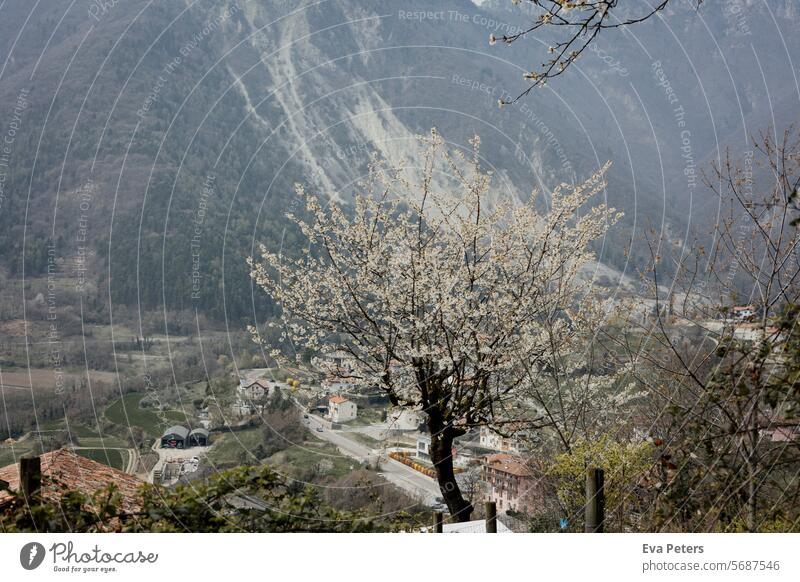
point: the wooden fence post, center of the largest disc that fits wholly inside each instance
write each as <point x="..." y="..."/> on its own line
<point x="595" y="501"/>
<point x="491" y="517"/>
<point x="438" y="522"/>
<point x="30" y="476"/>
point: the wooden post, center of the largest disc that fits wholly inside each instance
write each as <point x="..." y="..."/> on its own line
<point x="491" y="517"/>
<point x="595" y="501"/>
<point x="30" y="476"/>
<point x="438" y="522"/>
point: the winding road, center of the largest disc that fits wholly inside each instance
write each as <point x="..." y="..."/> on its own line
<point x="412" y="482"/>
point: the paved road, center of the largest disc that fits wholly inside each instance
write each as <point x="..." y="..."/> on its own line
<point x="347" y="446"/>
<point x="412" y="482"/>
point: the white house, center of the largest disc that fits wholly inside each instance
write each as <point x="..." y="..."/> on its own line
<point x="423" y="451"/>
<point x="340" y="409"/>
<point x="489" y="439"/>
<point x="744" y="312"/>
<point x="424" y="447"/>
<point x="251" y="395"/>
<point x="256" y="389"/>
<point x="335" y="384"/>
<point x="339" y="361"/>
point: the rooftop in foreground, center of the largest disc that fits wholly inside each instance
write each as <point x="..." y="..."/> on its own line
<point x="63" y="470"/>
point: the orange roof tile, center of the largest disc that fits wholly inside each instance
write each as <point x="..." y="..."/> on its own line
<point x="66" y="470"/>
<point x="338" y="399"/>
<point x="508" y="464"/>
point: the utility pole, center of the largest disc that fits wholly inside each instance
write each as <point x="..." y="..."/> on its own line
<point x="491" y="517"/>
<point x="30" y="476"/>
<point x="438" y="522"/>
<point x="595" y="501"/>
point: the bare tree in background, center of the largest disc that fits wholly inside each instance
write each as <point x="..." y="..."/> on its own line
<point x="575" y="25"/>
<point x="721" y="356"/>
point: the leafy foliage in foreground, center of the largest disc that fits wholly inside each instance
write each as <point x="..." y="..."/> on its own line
<point x="244" y="499"/>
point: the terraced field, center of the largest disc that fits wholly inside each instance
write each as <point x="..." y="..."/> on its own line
<point x="11" y="454"/>
<point x="229" y="446"/>
<point x="323" y="456"/>
<point x="126" y="412"/>
<point x="117" y="459"/>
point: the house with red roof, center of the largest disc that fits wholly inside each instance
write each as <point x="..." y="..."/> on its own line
<point x="340" y="409"/>
<point x="64" y="470"/>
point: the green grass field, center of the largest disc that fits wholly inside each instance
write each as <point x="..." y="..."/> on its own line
<point x="110" y="457"/>
<point x="10" y="455"/>
<point x="229" y="446"/>
<point x="176" y="416"/>
<point x="132" y="415"/>
<point x="366" y="416"/>
<point x="363" y="439"/>
<point x="310" y="454"/>
<point x="105" y="442"/>
<point x="82" y="431"/>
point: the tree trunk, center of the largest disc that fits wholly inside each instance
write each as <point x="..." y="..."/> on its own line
<point x="752" y="473"/>
<point x="442" y="457"/>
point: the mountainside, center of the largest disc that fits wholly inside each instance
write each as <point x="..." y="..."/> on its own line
<point x="149" y="145"/>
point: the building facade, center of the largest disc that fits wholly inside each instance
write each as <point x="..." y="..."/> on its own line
<point x="509" y="483"/>
<point x="341" y="409"/>
<point x="515" y="443"/>
<point x="423" y="447"/>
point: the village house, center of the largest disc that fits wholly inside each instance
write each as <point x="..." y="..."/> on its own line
<point x="251" y="395"/>
<point x="424" y="447"/>
<point x="743" y="312"/>
<point x="332" y="384"/>
<point x="509" y="482"/>
<point x="256" y="389"/>
<point x="63" y="470"/>
<point x="340" y="360"/>
<point x="340" y="409"/>
<point x="423" y="451"/>
<point x="513" y="443"/>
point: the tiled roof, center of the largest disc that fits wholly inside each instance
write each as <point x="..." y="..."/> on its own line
<point x="65" y="470"/>
<point x="508" y="464"/>
<point x="338" y="399"/>
<point x="257" y="382"/>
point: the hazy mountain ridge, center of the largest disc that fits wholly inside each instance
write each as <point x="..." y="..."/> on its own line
<point x="267" y="94"/>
